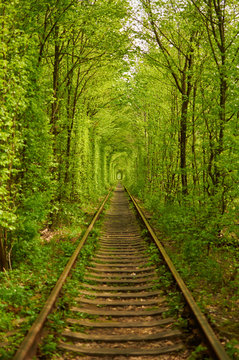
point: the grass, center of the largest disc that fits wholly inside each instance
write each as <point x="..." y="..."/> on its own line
<point x="209" y="266"/>
<point x="24" y="289"/>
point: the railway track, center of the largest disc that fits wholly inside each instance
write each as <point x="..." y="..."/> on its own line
<point x="120" y="311"/>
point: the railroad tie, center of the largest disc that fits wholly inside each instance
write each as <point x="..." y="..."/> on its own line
<point x="120" y="310"/>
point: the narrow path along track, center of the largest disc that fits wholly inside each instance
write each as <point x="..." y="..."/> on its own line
<point x="120" y="293"/>
<point x="120" y="311"/>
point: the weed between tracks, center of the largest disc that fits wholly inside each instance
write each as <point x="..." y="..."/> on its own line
<point x="166" y="284"/>
<point x="175" y="302"/>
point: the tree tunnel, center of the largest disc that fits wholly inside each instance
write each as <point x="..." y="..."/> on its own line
<point x="120" y="164"/>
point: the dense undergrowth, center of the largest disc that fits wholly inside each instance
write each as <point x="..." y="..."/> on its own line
<point x="206" y="259"/>
<point x="36" y="268"/>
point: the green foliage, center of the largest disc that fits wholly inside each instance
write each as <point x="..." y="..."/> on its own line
<point x="193" y="234"/>
<point x="54" y="151"/>
<point x="199" y="353"/>
<point x="182" y="104"/>
<point x="24" y="289"/>
<point x="14" y="82"/>
<point x="232" y="349"/>
<point x="49" y="346"/>
<point x="56" y="320"/>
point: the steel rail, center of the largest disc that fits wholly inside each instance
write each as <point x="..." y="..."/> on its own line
<point x="216" y="348"/>
<point x="29" y="344"/>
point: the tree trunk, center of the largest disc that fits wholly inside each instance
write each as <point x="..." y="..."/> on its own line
<point x="3" y="254"/>
<point x="55" y="104"/>
<point x="183" y="143"/>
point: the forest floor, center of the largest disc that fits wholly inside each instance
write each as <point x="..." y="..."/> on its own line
<point x="25" y="287"/>
<point x="219" y="299"/>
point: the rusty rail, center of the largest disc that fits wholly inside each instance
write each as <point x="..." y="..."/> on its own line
<point x="29" y="344"/>
<point x="212" y="341"/>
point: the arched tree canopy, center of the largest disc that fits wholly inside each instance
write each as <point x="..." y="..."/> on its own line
<point x="90" y="90"/>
